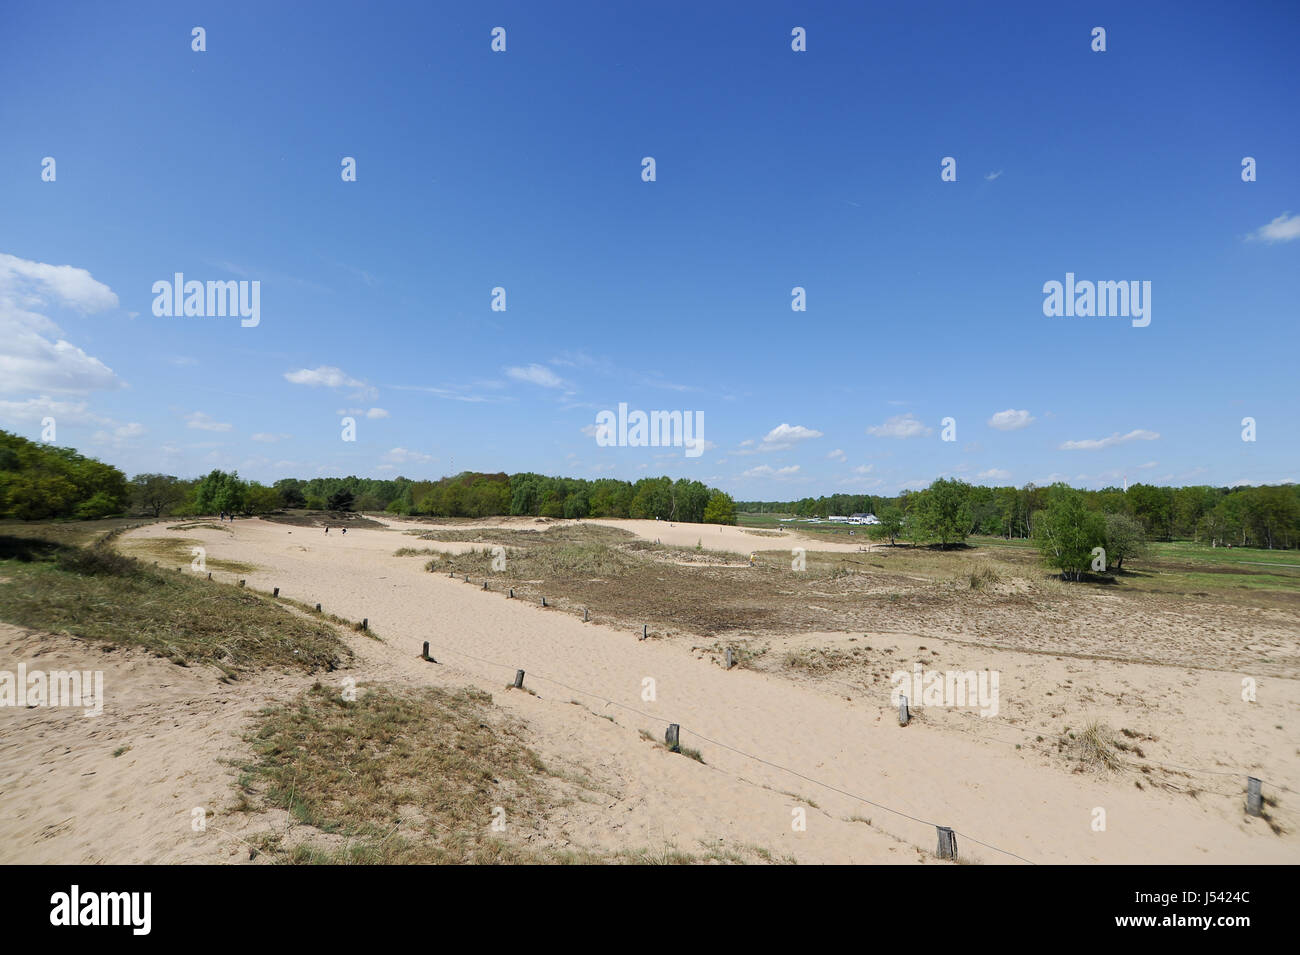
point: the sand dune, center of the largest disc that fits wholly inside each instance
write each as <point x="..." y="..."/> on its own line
<point x="946" y="768"/>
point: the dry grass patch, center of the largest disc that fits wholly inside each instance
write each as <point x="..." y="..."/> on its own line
<point x="99" y="594"/>
<point x="171" y="552"/>
<point x="398" y="776"/>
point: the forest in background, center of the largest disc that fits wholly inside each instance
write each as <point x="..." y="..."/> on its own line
<point x="41" y="482"/>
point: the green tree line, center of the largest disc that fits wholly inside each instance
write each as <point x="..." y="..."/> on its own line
<point x="948" y="511"/>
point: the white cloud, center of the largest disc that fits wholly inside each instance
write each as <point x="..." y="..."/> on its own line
<point x="363" y="412"/>
<point x="900" y="426"/>
<point x="766" y="470"/>
<point x="994" y="474"/>
<point x="329" y="376"/>
<point x="537" y="375"/>
<point x="837" y="455"/>
<point x="32" y="410"/>
<point x="264" y="437"/>
<point x="205" y="422"/>
<point x="119" y="435"/>
<point x="1011" y="420"/>
<point x="1097" y="444"/>
<point x="864" y="469"/>
<point x="36" y="357"/>
<point x="69" y="286"/>
<point x="1282" y="229"/>
<point x="406" y="456"/>
<point x="787" y="435"/>
<point x="992" y="175"/>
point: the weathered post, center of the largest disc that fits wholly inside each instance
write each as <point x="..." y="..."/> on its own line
<point x="318" y="608"/>
<point x="519" y="679"/>
<point x="644" y="632"/>
<point x="947" y="843"/>
<point x="1254" y="797"/>
<point x="365" y="623"/>
<point x="275" y="592"/>
<point x="903" y="714"/>
<point x="673" y="737"/>
<point x="731" y="658"/>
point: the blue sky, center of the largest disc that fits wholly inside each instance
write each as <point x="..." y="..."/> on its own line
<point x="775" y="169"/>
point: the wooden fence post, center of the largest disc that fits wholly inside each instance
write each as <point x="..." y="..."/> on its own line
<point x="947" y="843"/>
<point x="903" y="715"/>
<point x="275" y="592"/>
<point x="318" y="608"/>
<point x="1254" y="797"/>
<point x="519" y="679"/>
<point x="365" y="623"/>
<point x="674" y="737"/>
<point x="731" y="658"/>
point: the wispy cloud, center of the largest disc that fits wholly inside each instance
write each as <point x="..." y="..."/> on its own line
<point x="328" y="376"/>
<point x="1282" y="229"/>
<point x="406" y="456"/>
<point x="205" y="422"/>
<point x="766" y="470"/>
<point x="1098" y="444"/>
<point x="901" y="426"/>
<point x="536" y="374"/>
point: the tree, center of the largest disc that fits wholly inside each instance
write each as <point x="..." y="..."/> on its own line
<point x="1067" y="531"/>
<point x="944" y="512"/>
<point x="156" y="494"/>
<point x="339" y="501"/>
<point x="890" y="526"/>
<point x="721" y="509"/>
<point x="38" y="482"/>
<point x="262" y="500"/>
<point x="1124" y="540"/>
<point x="220" y="492"/>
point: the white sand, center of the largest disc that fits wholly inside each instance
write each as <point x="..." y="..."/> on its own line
<point x="947" y="768"/>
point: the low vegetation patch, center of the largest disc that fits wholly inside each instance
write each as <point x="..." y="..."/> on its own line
<point x="98" y="594"/>
<point x="172" y="552"/>
<point x="408" y="775"/>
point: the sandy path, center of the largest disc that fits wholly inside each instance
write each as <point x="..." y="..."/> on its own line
<point x="987" y="790"/>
